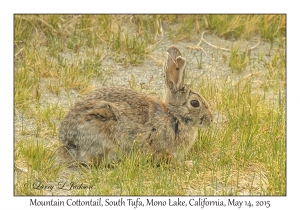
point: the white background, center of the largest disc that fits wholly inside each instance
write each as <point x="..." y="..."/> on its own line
<point x="9" y="8"/>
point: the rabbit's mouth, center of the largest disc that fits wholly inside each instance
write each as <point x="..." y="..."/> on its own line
<point x="204" y="122"/>
<point x="201" y="123"/>
<point x="201" y="120"/>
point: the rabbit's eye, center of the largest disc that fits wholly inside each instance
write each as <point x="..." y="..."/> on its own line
<point x="195" y="103"/>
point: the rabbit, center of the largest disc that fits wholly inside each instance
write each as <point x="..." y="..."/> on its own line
<point x="110" y="120"/>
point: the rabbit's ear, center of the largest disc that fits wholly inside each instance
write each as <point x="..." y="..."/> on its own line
<point x="174" y="69"/>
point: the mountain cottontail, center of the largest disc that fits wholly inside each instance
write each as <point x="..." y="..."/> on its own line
<point x="110" y="119"/>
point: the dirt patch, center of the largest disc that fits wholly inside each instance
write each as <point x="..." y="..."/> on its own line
<point x="147" y="77"/>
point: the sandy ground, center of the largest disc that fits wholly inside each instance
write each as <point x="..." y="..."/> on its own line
<point x="149" y="76"/>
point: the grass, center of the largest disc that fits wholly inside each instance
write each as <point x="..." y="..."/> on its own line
<point x="243" y="153"/>
<point x="238" y="60"/>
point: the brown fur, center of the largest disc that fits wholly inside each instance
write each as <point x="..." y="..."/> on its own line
<point x="106" y="124"/>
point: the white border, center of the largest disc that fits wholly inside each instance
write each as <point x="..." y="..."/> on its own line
<point x="155" y="6"/>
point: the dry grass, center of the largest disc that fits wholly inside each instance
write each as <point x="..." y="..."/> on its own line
<point x="59" y="57"/>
